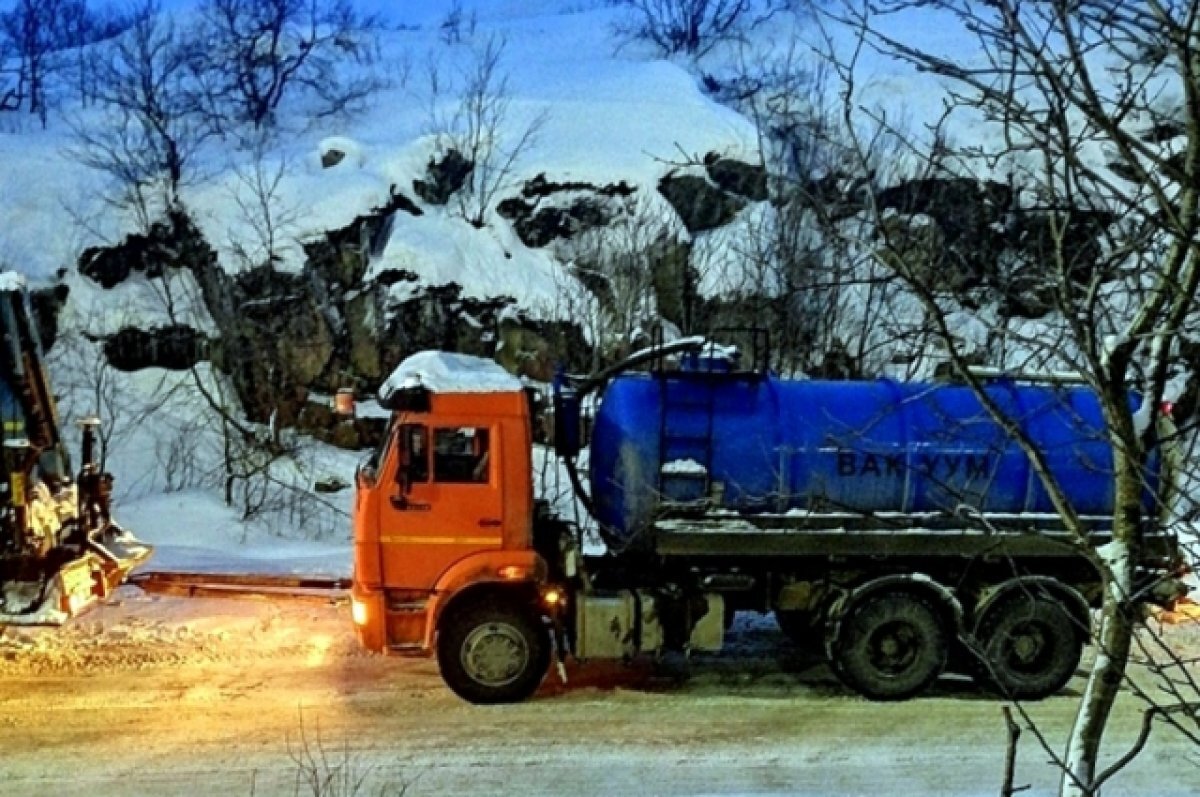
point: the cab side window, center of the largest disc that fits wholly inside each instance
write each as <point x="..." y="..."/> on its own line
<point x="461" y="455"/>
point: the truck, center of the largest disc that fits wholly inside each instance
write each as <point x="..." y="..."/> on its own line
<point x="894" y="528"/>
<point x="60" y="549"/>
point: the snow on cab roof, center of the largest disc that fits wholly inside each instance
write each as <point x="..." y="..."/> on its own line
<point x="442" y="372"/>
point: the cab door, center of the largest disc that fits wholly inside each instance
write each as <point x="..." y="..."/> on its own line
<point x="446" y="501"/>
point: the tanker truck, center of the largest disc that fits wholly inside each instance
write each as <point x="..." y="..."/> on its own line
<point x="894" y="528"/>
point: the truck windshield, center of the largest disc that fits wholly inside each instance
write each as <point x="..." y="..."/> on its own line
<point x="368" y="469"/>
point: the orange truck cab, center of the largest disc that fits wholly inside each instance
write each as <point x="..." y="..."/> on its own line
<point x="443" y="529"/>
<point x="453" y="556"/>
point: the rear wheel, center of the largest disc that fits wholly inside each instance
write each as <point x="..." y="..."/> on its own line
<point x="890" y="646"/>
<point x="493" y="653"/>
<point x="1030" y="647"/>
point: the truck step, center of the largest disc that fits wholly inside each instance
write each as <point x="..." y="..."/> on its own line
<point x="416" y="607"/>
<point x="406" y="648"/>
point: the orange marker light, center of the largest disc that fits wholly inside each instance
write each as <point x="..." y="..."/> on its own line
<point x="512" y="572"/>
<point x="343" y="402"/>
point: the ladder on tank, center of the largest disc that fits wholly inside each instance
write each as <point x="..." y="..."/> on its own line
<point x="685" y="443"/>
<point x="687" y="411"/>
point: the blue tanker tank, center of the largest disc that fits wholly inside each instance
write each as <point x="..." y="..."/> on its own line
<point x="756" y="444"/>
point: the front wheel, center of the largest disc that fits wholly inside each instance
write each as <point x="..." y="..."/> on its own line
<point x="493" y="653"/>
<point x="890" y="646"/>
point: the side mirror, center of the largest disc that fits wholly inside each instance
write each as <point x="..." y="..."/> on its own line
<point x="402" y="472"/>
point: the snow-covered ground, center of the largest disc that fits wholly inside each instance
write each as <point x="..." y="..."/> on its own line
<point x="155" y="696"/>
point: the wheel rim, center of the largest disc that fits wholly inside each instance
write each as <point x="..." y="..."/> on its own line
<point x="495" y="654"/>
<point x="893" y="647"/>
<point x="1026" y="648"/>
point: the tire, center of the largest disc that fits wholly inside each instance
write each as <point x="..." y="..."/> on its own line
<point x="1031" y="648"/>
<point x="890" y="646"/>
<point x="493" y="653"/>
<point x="800" y="627"/>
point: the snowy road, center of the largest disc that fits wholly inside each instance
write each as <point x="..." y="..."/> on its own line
<point x="159" y="696"/>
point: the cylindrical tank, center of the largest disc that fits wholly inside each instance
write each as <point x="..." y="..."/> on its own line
<point x="758" y="444"/>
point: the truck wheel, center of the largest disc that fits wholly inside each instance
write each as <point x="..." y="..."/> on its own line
<point x="890" y="646"/>
<point x="1030" y="646"/>
<point x="493" y="653"/>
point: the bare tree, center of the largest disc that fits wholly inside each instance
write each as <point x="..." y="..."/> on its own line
<point x="81" y="27"/>
<point x="480" y="128"/>
<point x="617" y="265"/>
<point x="785" y="265"/>
<point x="12" y="86"/>
<point x="458" y="25"/>
<point x="33" y="29"/>
<point x="324" y="770"/>
<point x="49" y="38"/>
<point x="257" y="466"/>
<point x="268" y="225"/>
<point x="692" y="26"/>
<point x="88" y="385"/>
<point x="253" y="54"/>
<point x="1112" y="256"/>
<point x="153" y="126"/>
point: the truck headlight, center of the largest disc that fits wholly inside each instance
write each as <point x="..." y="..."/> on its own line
<point x="358" y="612"/>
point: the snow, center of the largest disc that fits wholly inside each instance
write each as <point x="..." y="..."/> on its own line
<point x="441" y="248"/>
<point x="607" y="114"/>
<point x="1143" y="417"/>
<point x="693" y="341"/>
<point x="193" y="531"/>
<point x="155" y="695"/>
<point x="11" y="281"/>
<point x="683" y="467"/>
<point x="442" y="372"/>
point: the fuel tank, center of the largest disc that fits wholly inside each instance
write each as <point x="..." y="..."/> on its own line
<point x="750" y="443"/>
